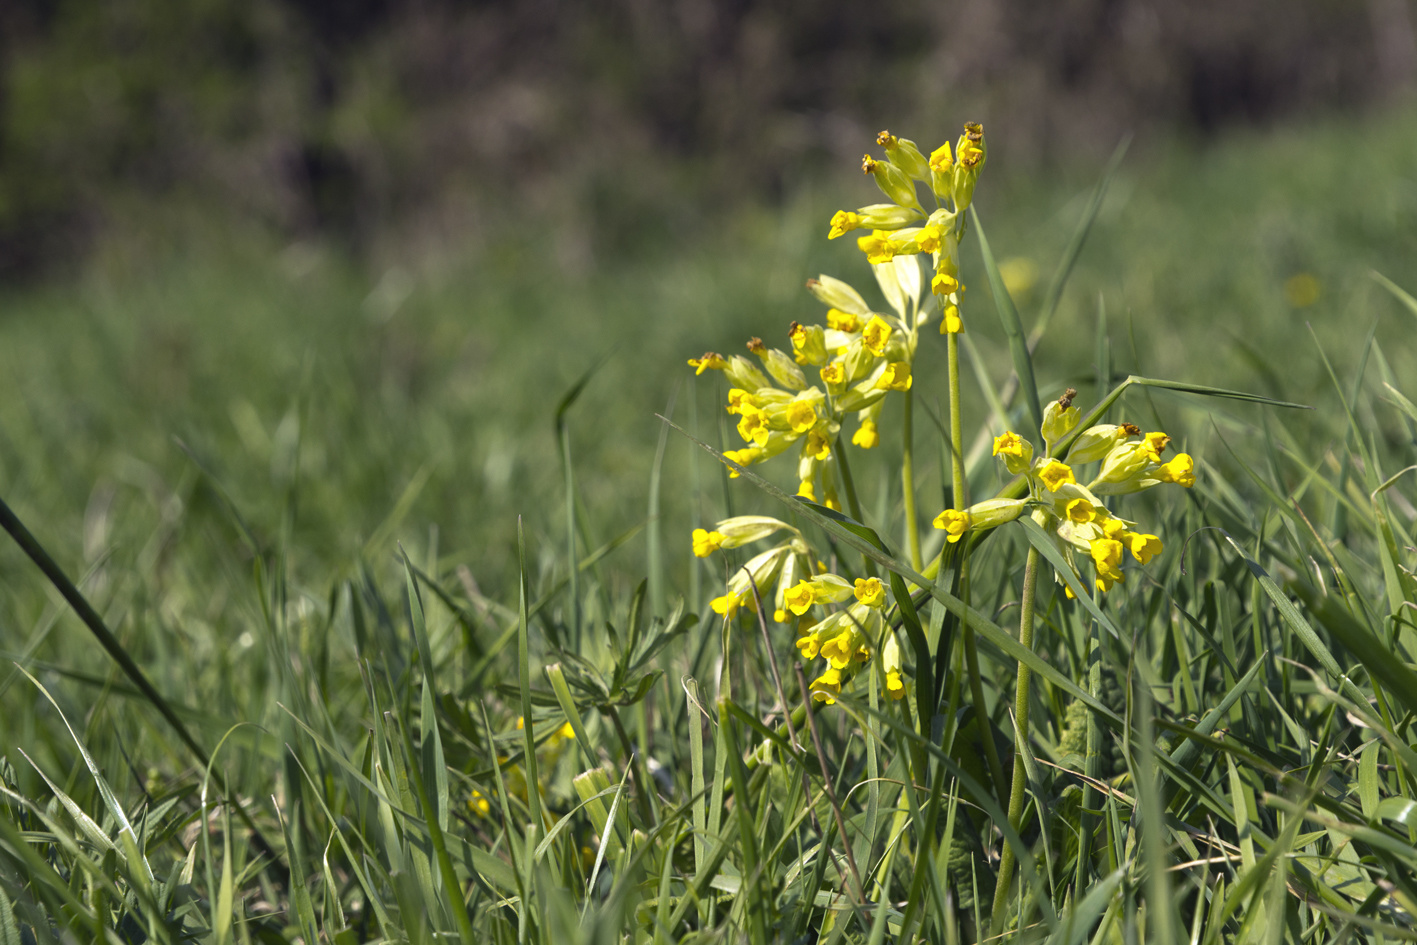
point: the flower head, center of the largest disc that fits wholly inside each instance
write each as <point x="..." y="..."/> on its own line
<point x="1054" y="474"/>
<point x="706" y="542"/>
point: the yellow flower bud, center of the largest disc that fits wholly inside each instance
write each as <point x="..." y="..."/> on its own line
<point x="809" y="344"/>
<point x="805" y="490"/>
<point x="1015" y="450"/>
<point x="896" y="376"/>
<point x="782" y="368"/>
<point x="1096" y="442"/>
<point x="837" y="294"/>
<point x="893" y="181"/>
<point x="951" y="323"/>
<point x="904" y="154"/>
<point x="1059" y="418"/>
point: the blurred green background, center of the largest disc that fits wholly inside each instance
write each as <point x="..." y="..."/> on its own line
<point x="333" y="265"/>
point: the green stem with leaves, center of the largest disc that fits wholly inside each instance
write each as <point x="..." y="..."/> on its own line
<point x="907" y="480"/>
<point x="1021" y="700"/>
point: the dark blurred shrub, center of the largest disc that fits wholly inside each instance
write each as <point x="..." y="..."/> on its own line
<point x="376" y="120"/>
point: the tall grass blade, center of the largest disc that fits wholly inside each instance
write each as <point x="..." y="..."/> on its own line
<point x="1013" y="326"/>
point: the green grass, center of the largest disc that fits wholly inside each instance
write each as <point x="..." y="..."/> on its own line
<point x="291" y="491"/>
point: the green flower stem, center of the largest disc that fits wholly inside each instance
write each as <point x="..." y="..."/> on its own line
<point x="907" y="480"/>
<point x="959" y="483"/>
<point x="1021" y="698"/>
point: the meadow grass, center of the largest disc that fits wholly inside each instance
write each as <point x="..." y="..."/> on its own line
<point x="290" y="493"/>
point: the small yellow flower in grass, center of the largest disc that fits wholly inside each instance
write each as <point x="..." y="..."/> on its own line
<point x="1107" y="556"/>
<point x="843" y="222"/>
<point x="1302" y="290"/>
<point x="954" y="522"/>
<point x="842" y="321"/>
<point x="876" y="334"/>
<point x="806" y="491"/>
<point x="945" y="284"/>
<point x="809" y="646"/>
<point x="833" y="373"/>
<point x="1017" y="452"/>
<point x="895" y="377"/>
<point x="866" y="435"/>
<point x="951" y="323"/>
<point x="727" y="605"/>
<point x="1181" y="470"/>
<point x="841" y="649"/>
<point x="877" y="247"/>
<point x="1054" y="474"/>
<point x="706" y="542"/>
<point x="826" y="687"/>
<point x="870" y="592"/>
<point x="895" y="686"/>
<point x="1143" y="547"/>
<point x="478" y="804"/>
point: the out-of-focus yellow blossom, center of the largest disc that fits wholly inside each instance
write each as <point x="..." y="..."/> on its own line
<point x="809" y="344"/>
<point x="709" y="361"/>
<point x="944" y="284"/>
<point x="806" y="491"/>
<point x="843" y="321"/>
<point x="866" y="436"/>
<point x="826" y="687"/>
<point x="870" y="592"/>
<point x="951" y="323"/>
<point x="478" y="804"/>
<point x="1107" y="556"/>
<point x="876" y="333"/>
<point x="1015" y="450"/>
<point x="1054" y="474"/>
<point x="706" y="542"/>
<point x="896" y="376"/>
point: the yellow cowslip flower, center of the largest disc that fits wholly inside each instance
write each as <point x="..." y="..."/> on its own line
<point x="951" y="324"/>
<point x="1059" y="418"/>
<point x="706" y="542"/>
<point x="826" y="687"/>
<point x="970" y="155"/>
<point x="1017" y="452"/>
<point x="745" y="529"/>
<point x="800" y="598"/>
<point x="870" y="592"/>
<point x="709" y="361"/>
<point x="817" y="446"/>
<point x="866" y="435"/>
<point x="875" y="335"/>
<point x="1143" y="547"/>
<point x="840" y="650"/>
<point x="896" y="376"/>
<point x="945" y="284"/>
<point x="737" y="399"/>
<point x="809" y="646"/>
<point x="843" y="222"/>
<point x="842" y="321"/>
<point x="877" y="247"/>
<point x="1153" y="443"/>
<point x="954" y="522"/>
<point x="478" y="804"/>
<point x="1107" y="556"/>
<point x="727" y="605"/>
<point x="941" y="161"/>
<point x="930" y="238"/>
<point x="801" y="416"/>
<point x="1081" y="511"/>
<point x="809" y="345"/>
<point x="1054" y="474"/>
<point x="833" y="374"/>
<point x="895" y="687"/>
<point x="1181" y="470"/>
<point x="743" y="457"/>
<point x="753" y="424"/>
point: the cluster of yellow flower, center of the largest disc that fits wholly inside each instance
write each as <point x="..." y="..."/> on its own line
<point x="845" y="638"/>
<point x="1072" y="512"/>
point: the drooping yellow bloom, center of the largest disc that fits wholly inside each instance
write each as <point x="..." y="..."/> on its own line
<point x="1153" y="443"/>
<point x="877" y="247"/>
<point x="951" y="324"/>
<point x="866" y="435"/>
<point x="954" y="522"/>
<point x="870" y="592"/>
<point x="895" y="377"/>
<point x="826" y="687"/>
<point x="1181" y="470"/>
<point x="809" y="645"/>
<point x="738" y="398"/>
<point x="841" y="649"/>
<point x="944" y="284"/>
<point x="1143" y="547"/>
<point x="876" y="334"/>
<point x="743" y="457"/>
<point x="930" y="237"/>
<point x="727" y="605"/>
<point x="805" y="490"/>
<point x="708" y="361"/>
<point x="817" y="445"/>
<point x="842" y="321"/>
<point x="1016" y="451"/>
<point x="1107" y="556"/>
<point x="706" y="542"/>
<point x="1054" y="474"/>
<point x="843" y="222"/>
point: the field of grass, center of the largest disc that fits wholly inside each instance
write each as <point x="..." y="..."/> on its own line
<point x="291" y="490"/>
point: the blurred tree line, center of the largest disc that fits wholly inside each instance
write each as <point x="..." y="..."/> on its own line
<point x="414" y="121"/>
